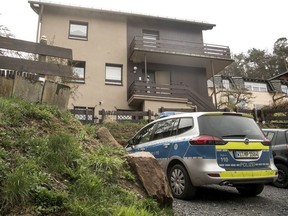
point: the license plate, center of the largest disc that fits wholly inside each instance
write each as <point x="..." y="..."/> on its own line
<point x="246" y="154"/>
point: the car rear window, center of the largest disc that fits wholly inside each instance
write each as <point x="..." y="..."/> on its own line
<point x="229" y="127"/>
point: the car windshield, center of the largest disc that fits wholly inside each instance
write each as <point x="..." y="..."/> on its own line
<point x="229" y="127"/>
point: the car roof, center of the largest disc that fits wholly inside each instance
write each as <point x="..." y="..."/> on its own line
<point x="197" y="114"/>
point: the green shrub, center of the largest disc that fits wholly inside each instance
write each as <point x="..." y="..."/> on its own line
<point x="61" y="153"/>
<point x="49" y="201"/>
<point x="19" y="183"/>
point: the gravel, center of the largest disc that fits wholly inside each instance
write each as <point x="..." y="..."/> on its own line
<point x="222" y="200"/>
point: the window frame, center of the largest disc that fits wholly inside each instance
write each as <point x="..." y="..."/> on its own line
<point x="114" y="82"/>
<point x="78" y="37"/>
<point x="75" y="79"/>
<point x="256" y="86"/>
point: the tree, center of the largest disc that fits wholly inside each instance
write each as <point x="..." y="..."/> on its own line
<point x="281" y="54"/>
<point x="260" y="64"/>
<point x="234" y="98"/>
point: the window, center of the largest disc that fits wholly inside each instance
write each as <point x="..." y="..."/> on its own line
<point x="78" y="30"/>
<point x="113" y="74"/>
<point x="284" y="89"/>
<point x="78" y="69"/>
<point x="150" y="38"/>
<point x="257" y="87"/>
<point x="144" y="135"/>
<point x="225" y="83"/>
<point x="185" y="124"/>
<point x="164" y="129"/>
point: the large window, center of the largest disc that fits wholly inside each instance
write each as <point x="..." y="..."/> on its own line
<point x="78" y="30"/>
<point x="257" y="87"/>
<point x="78" y="69"/>
<point x="113" y="74"/>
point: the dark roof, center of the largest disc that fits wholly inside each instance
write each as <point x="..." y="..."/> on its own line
<point x="35" y="5"/>
<point x="278" y="75"/>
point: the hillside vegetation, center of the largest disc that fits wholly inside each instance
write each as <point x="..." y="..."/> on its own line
<point x="50" y="164"/>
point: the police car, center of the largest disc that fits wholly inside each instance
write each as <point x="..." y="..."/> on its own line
<point x="204" y="148"/>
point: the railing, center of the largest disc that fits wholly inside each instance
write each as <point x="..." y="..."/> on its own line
<point x="170" y="91"/>
<point x="178" y="47"/>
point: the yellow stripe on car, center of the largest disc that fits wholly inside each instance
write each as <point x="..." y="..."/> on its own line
<point x="247" y="174"/>
<point x="242" y="146"/>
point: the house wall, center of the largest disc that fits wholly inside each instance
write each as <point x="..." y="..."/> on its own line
<point x="107" y="43"/>
<point x="257" y="100"/>
<point x="167" y="30"/>
<point x="154" y="106"/>
<point x="193" y="77"/>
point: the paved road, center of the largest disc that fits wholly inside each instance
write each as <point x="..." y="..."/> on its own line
<point x="218" y="200"/>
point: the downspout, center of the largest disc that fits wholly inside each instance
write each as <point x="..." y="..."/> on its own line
<point x="39" y="24"/>
<point x="214" y="87"/>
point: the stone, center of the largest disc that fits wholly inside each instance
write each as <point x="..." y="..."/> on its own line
<point x="152" y="177"/>
<point x="105" y="137"/>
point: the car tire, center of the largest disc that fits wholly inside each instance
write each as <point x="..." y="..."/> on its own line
<point x="180" y="183"/>
<point x="282" y="180"/>
<point x="250" y="189"/>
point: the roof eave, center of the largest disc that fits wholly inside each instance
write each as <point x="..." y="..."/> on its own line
<point x="35" y="5"/>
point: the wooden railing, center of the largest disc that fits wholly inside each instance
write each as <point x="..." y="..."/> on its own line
<point x="170" y="91"/>
<point x="178" y="47"/>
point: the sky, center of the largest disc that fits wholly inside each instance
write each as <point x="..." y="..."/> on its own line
<point x="240" y="24"/>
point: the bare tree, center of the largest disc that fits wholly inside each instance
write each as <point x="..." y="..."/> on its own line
<point x="234" y="98"/>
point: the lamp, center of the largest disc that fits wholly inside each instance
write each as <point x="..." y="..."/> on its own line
<point x="135" y="69"/>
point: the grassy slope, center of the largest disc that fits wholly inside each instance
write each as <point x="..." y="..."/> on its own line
<point x="50" y="164"/>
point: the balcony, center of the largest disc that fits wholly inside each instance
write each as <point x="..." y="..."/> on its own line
<point x="181" y="53"/>
<point x="139" y="91"/>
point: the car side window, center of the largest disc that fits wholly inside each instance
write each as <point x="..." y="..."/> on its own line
<point x="269" y="135"/>
<point x="185" y="124"/>
<point x="144" y="135"/>
<point x="164" y="129"/>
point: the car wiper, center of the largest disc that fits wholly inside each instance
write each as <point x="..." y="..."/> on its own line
<point x="234" y="135"/>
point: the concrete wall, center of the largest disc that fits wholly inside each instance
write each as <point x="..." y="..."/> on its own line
<point x="35" y="91"/>
<point x="155" y="105"/>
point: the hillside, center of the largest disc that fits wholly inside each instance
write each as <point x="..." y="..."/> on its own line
<point x="50" y="164"/>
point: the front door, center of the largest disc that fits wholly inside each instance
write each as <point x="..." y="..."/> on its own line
<point x="163" y="79"/>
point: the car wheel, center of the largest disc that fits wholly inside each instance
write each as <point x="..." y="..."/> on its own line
<point x="282" y="180"/>
<point x="180" y="183"/>
<point x="250" y="189"/>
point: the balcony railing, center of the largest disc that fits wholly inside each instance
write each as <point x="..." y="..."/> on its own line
<point x="178" y="47"/>
<point x="151" y="89"/>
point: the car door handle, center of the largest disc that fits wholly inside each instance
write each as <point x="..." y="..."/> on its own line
<point x="166" y="145"/>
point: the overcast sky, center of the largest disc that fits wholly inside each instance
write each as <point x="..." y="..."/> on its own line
<point x="240" y="24"/>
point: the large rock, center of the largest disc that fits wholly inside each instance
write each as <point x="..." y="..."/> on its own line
<point x="152" y="177"/>
<point x="105" y="137"/>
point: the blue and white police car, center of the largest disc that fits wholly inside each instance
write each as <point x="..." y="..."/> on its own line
<point x="204" y="148"/>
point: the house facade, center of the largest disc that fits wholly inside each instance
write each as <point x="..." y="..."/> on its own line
<point x="260" y="93"/>
<point x="125" y="61"/>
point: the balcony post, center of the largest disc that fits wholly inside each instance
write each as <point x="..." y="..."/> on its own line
<point x="214" y="87"/>
<point x="145" y="68"/>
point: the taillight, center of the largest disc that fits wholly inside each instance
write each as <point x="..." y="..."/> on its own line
<point x="207" y="140"/>
<point x="266" y="142"/>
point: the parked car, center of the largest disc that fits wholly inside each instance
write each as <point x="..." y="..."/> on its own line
<point x="203" y="148"/>
<point x="279" y="140"/>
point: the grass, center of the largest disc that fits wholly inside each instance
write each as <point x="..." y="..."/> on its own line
<point x="50" y="164"/>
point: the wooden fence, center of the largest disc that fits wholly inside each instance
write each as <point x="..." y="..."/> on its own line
<point x="273" y="116"/>
<point x="126" y="115"/>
